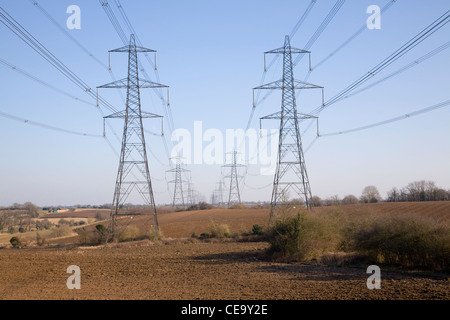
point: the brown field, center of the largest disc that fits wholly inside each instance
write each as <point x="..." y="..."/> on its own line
<point x="436" y="210"/>
<point x="182" y="267"/>
<point x="79" y="213"/>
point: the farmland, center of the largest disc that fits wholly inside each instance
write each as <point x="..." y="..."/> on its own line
<point x="181" y="265"/>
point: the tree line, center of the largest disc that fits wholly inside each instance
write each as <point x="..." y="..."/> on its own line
<point x="418" y="191"/>
<point x="415" y="191"/>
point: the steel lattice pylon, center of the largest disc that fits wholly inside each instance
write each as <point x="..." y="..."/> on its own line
<point x="234" y="195"/>
<point x="290" y="174"/>
<point x="178" y="194"/>
<point x="133" y="173"/>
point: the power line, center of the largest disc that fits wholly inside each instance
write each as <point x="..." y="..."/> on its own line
<point x="302" y="18"/>
<point x="112" y="18"/>
<point x="340" y="47"/>
<point x="276" y="57"/>
<point x="352" y="37"/>
<point x="42" y="82"/>
<point x="337" y="6"/>
<point x="32" y="42"/>
<point x="331" y="14"/>
<point x="39" y="48"/>
<point x="47" y="126"/>
<point x="119" y="30"/>
<point x="424" y="34"/>
<point x="404" y="68"/>
<point x="381" y="123"/>
<point x="366" y="127"/>
<point x="66" y="33"/>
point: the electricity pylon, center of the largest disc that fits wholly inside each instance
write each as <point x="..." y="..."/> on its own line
<point x="191" y="198"/>
<point x="178" y="194"/>
<point x="133" y="173"/>
<point x="218" y="193"/>
<point x="290" y="171"/>
<point x="234" y="195"/>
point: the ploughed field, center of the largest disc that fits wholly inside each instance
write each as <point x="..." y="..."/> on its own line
<point x="184" y="267"/>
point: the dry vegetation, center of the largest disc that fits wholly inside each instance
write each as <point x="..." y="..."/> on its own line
<point x="365" y="234"/>
<point x="237" y="254"/>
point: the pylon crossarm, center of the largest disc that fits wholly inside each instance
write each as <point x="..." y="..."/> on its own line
<point x="283" y="50"/>
<point x="122" y="115"/>
<point x="280" y="84"/>
<point x="277" y="116"/>
<point x="150" y="84"/>
<point x="145" y="114"/>
<point x="123" y="84"/>
<point x="129" y="48"/>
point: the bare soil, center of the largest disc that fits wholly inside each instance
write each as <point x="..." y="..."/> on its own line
<point x="187" y="269"/>
<point x="183" y="268"/>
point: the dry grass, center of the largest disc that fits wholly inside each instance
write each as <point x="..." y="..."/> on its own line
<point x="349" y="234"/>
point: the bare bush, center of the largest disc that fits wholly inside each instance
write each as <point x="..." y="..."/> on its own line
<point x="219" y="230"/>
<point x="61" y="231"/>
<point x="406" y="241"/>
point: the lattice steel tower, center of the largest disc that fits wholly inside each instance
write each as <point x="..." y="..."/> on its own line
<point x="290" y="171"/>
<point x="218" y="193"/>
<point x="178" y="194"/>
<point x="133" y="174"/>
<point x="234" y="195"/>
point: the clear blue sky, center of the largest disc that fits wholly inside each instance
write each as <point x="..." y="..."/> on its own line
<point x="210" y="53"/>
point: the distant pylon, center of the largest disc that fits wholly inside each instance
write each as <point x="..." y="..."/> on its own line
<point x="218" y="193"/>
<point x="234" y="195"/>
<point x="290" y="171"/>
<point x="178" y="193"/>
<point x="191" y="194"/>
<point x="133" y="173"/>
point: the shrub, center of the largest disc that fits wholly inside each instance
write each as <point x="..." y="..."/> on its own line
<point x="220" y="231"/>
<point x="40" y="241"/>
<point x="200" y="206"/>
<point x="284" y="235"/>
<point x="154" y="235"/>
<point x="204" y="206"/>
<point x="402" y="241"/>
<point x="100" y="228"/>
<point x="257" y="230"/>
<point x="361" y="235"/>
<point x="61" y="231"/>
<point x="15" y="242"/>
<point x="63" y="222"/>
<point x="101" y="216"/>
<point x="129" y="234"/>
<point x="101" y="233"/>
<point x="304" y="236"/>
<point x="83" y="236"/>
<point x="43" y="224"/>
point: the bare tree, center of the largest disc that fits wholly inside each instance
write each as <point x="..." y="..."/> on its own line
<point x="333" y="201"/>
<point x="394" y="195"/>
<point x="316" y="201"/>
<point x="370" y="194"/>
<point x="350" y="199"/>
<point x="31" y="210"/>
